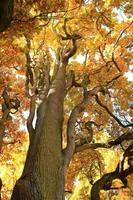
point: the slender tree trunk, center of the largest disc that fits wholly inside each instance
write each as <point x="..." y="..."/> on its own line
<point x="43" y="175"/>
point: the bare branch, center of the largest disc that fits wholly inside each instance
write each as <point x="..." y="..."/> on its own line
<point x="124" y="137"/>
<point x="115" y="63"/>
<point x="122" y="32"/>
<point x="71" y="51"/>
<point x="69" y="36"/>
<point x="74" y="114"/>
<point x="101" y="53"/>
<point x="72" y="82"/>
<point x="109" y="62"/>
<point x="71" y="129"/>
<point x="73" y="37"/>
<point x="111" y="114"/>
<point x="105" y="182"/>
<point x="80" y="148"/>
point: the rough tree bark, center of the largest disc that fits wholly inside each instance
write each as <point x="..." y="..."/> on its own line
<point x="45" y="167"/>
<point x="43" y="176"/>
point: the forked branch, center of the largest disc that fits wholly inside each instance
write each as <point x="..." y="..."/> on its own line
<point x="111" y="114"/>
<point x="105" y="182"/>
<point x="68" y="53"/>
<point x="87" y="95"/>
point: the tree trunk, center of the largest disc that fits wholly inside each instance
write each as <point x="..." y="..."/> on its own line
<point x="43" y="175"/>
<point x="6" y="13"/>
<point x="46" y="163"/>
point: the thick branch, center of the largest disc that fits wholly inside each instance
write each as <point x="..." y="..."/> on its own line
<point x="72" y="82"/>
<point x="111" y="114"/>
<point x="119" y="140"/>
<point x="69" y="36"/>
<point x="123" y="137"/>
<point x="105" y="182"/>
<point x="71" y="51"/>
<point x="74" y="114"/>
<point x="80" y="148"/>
<point x="68" y="53"/>
<point x="71" y="129"/>
<point x="69" y="151"/>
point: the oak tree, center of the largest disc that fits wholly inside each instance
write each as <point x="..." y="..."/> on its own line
<point x="69" y="64"/>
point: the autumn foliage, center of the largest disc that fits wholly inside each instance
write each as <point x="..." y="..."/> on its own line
<point x="98" y="76"/>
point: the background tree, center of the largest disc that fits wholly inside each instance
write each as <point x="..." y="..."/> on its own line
<point x="6" y="13"/>
<point x="69" y="68"/>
